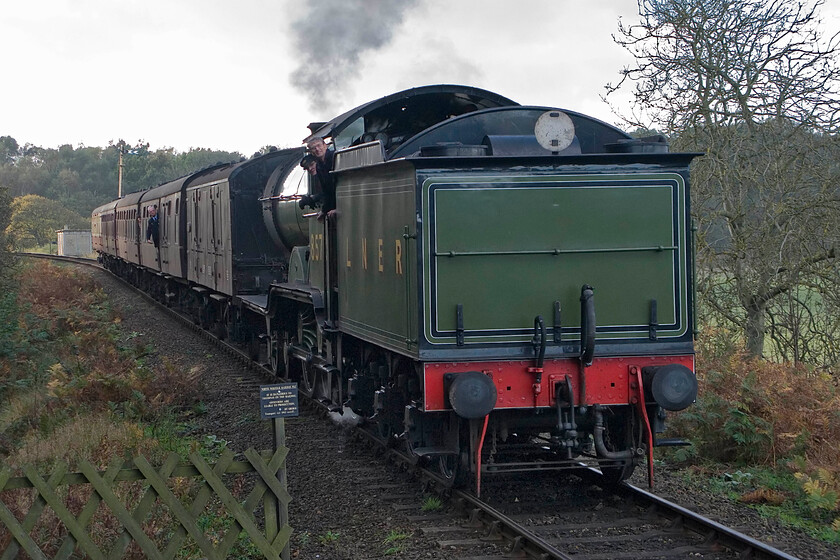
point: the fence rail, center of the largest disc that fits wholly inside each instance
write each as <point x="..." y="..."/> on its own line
<point x="271" y="537"/>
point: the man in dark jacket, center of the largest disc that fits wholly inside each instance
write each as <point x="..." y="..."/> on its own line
<point x="152" y="228"/>
<point x="316" y="192"/>
<point x="324" y="164"/>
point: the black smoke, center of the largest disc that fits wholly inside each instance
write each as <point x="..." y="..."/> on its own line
<point x="331" y="35"/>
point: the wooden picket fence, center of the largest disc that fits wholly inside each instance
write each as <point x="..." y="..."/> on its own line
<point x="155" y="491"/>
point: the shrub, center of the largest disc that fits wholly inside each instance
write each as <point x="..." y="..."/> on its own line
<point x="64" y="362"/>
<point x="752" y="412"/>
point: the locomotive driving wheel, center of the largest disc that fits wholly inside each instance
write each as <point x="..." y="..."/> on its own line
<point x="278" y="353"/>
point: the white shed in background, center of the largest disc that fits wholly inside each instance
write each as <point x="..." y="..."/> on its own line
<point x="74" y="243"/>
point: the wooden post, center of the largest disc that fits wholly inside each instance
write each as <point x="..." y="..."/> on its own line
<point x="282" y="509"/>
<point x="277" y="402"/>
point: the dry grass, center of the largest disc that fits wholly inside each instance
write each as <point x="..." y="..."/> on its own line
<point x="69" y="391"/>
<point x="70" y="371"/>
<point x="763" y="496"/>
<point x="101" y="437"/>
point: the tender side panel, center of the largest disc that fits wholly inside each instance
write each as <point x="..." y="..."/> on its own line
<point x="607" y="380"/>
<point x="506" y="248"/>
<point x="377" y="256"/>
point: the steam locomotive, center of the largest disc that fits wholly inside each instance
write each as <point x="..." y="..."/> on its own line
<point x="502" y="288"/>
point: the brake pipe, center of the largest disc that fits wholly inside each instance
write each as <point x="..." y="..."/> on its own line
<point x="478" y="457"/>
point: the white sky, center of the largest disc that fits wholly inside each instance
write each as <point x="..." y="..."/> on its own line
<point x="215" y="73"/>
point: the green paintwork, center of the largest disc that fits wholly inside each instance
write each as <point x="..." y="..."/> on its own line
<point x="378" y="295"/>
<point x="318" y="254"/>
<point x="506" y="246"/>
<point x="502" y="231"/>
<point x="299" y="266"/>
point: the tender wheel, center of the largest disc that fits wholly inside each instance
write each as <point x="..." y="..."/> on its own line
<point x="454" y="469"/>
<point x="618" y="435"/>
<point x="613" y="474"/>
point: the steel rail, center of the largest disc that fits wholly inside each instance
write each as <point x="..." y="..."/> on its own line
<point x="746" y="546"/>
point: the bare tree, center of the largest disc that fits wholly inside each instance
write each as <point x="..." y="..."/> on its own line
<point x="754" y="85"/>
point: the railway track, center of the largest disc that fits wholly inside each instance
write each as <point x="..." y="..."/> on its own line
<point x="535" y="516"/>
<point x="580" y="517"/>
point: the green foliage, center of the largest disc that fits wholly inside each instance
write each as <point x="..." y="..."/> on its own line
<point x="752" y="435"/>
<point x="753" y="412"/>
<point x="169" y="434"/>
<point x="215" y="525"/>
<point x="779" y="494"/>
<point x="822" y="489"/>
<point x="304" y="538"/>
<point x="771" y="431"/>
<point x="6" y="260"/>
<point x="82" y="178"/>
<point x="328" y="538"/>
<point x="725" y="430"/>
<point x="431" y="503"/>
<point x="35" y="219"/>
<point x="74" y="387"/>
<point x="394" y="542"/>
<point x="8" y="149"/>
<point x="8" y="325"/>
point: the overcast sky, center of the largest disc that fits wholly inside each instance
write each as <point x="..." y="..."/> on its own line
<point x="218" y="73"/>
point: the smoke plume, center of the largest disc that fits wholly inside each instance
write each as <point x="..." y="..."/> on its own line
<point x="331" y="35"/>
